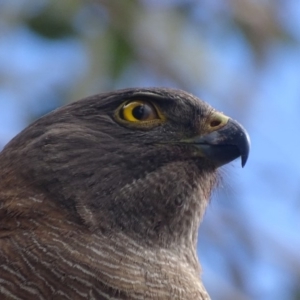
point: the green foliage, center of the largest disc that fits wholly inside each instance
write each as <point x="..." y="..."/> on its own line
<point x="121" y="54"/>
<point x="50" y="26"/>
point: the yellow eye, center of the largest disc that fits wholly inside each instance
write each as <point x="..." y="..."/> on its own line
<point x="137" y="111"/>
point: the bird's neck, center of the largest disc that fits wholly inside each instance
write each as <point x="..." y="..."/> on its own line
<point x="126" y="265"/>
<point x="81" y="261"/>
<point x="164" y="208"/>
<point x="123" y="265"/>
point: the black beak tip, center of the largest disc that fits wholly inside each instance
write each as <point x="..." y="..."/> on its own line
<point x="224" y="144"/>
<point x="245" y="148"/>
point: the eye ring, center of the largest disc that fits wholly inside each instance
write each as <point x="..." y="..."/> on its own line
<point x="138" y="111"/>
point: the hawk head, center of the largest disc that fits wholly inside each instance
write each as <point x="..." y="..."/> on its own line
<point x="138" y="164"/>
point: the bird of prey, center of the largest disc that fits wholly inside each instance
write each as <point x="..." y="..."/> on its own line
<point x="103" y="198"/>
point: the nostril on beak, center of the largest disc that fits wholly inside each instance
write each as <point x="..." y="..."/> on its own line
<point x="217" y="120"/>
<point x="215" y="123"/>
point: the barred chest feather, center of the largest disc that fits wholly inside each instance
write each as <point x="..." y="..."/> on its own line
<point x="61" y="264"/>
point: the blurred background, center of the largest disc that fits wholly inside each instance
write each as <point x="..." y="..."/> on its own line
<point x="241" y="56"/>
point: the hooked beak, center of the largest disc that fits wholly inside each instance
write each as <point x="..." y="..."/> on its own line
<point x="226" y="142"/>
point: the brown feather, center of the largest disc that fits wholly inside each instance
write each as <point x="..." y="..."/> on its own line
<point x="92" y="209"/>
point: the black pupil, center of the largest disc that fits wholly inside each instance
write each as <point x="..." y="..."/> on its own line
<point x="139" y="112"/>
